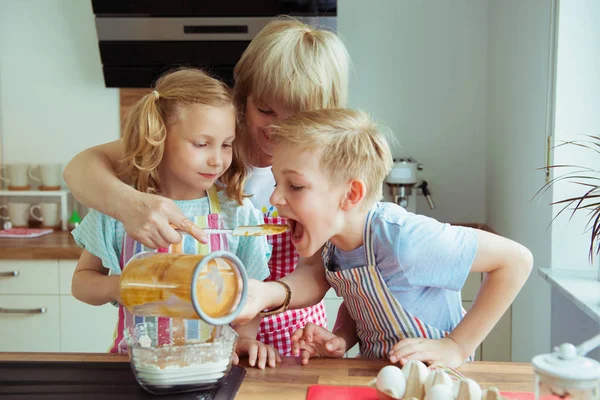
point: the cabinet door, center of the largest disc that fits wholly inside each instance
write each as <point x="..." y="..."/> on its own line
<point x="466" y="305"/>
<point x="471" y="286"/>
<point x="497" y="345"/>
<point x="28" y="277"/>
<point x="29" y="323"/>
<point x="85" y="328"/>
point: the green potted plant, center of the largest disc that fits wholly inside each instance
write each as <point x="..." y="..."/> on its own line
<point x="588" y="202"/>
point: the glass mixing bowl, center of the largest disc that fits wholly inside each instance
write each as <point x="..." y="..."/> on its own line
<point x="179" y="364"/>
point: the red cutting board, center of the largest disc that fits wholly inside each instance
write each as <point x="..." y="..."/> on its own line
<point x="322" y="392"/>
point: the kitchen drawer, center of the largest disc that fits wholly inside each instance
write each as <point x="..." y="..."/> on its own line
<point x="65" y="275"/>
<point x="471" y="287"/>
<point x="85" y="328"/>
<point x="34" y="331"/>
<point x="33" y="277"/>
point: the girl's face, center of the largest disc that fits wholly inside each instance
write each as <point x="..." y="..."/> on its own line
<point x="198" y="150"/>
<point x="258" y="117"/>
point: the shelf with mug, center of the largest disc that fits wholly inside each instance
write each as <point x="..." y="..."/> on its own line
<point x="63" y="194"/>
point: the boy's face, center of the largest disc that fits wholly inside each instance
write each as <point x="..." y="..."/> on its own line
<point x="304" y="195"/>
<point x="257" y="118"/>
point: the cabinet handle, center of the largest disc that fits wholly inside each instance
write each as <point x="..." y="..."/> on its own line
<point x="40" y="310"/>
<point x="9" y="274"/>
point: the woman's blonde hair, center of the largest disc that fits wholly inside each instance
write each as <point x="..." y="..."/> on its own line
<point x="146" y="127"/>
<point x="349" y="143"/>
<point x="295" y="65"/>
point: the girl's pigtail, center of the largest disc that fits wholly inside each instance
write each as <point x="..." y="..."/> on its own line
<point x="144" y="135"/>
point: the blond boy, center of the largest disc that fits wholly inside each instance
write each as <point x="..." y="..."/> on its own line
<point x="400" y="274"/>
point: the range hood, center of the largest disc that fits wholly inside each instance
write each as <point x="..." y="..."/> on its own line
<point x="139" y="40"/>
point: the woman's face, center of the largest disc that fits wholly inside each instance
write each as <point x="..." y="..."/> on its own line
<point x="258" y="117"/>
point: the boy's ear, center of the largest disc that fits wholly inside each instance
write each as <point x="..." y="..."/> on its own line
<point x="357" y="191"/>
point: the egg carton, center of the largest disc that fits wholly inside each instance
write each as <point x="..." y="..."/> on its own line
<point x="415" y="381"/>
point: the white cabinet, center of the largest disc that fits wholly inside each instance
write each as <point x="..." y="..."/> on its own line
<point x="38" y="313"/>
<point x="29" y="323"/>
<point x="497" y="345"/>
<point x="83" y="328"/>
<point x="29" y="306"/>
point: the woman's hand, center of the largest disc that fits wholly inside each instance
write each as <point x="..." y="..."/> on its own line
<point x="316" y="341"/>
<point x="443" y="351"/>
<point x="259" y="354"/>
<point x="150" y="220"/>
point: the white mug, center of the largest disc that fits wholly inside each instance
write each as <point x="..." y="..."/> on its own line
<point x="16" y="175"/>
<point x="46" y="213"/>
<point x="48" y="174"/>
<point x="17" y="213"/>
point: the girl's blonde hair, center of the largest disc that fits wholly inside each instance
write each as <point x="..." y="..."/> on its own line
<point x="146" y="127"/>
<point x="294" y="65"/>
<point x="349" y="143"/>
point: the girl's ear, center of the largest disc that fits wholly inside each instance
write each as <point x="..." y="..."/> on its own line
<point x="357" y="191"/>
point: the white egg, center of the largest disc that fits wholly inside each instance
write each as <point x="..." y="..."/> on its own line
<point x="467" y="389"/>
<point x="439" y="392"/>
<point x="391" y="381"/>
<point x="438" y="377"/>
<point x="416" y="374"/>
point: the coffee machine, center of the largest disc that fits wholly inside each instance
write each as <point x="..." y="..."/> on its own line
<point x="404" y="184"/>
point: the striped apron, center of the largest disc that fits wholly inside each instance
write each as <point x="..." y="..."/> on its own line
<point x="172" y="330"/>
<point x="381" y="322"/>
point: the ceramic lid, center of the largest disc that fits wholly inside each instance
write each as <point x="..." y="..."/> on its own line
<point x="565" y="363"/>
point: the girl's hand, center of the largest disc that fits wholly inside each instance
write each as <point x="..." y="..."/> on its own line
<point x="256" y="351"/>
<point x="443" y="351"/>
<point x="315" y="341"/>
<point x="149" y="220"/>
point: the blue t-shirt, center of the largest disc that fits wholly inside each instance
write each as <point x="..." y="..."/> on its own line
<point x="102" y="235"/>
<point x="423" y="262"/>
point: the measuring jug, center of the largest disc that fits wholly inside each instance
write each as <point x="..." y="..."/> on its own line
<point x="210" y="287"/>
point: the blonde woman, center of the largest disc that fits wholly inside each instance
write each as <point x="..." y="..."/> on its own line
<point x="177" y="145"/>
<point x="288" y="67"/>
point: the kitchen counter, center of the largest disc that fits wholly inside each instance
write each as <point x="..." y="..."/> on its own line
<point x="290" y="380"/>
<point x="61" y="246"/>
<point x="581" y="286"/>
<point x="58" y="245"/>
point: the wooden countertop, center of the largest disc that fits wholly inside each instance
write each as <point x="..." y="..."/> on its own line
<point x="290" y="380"/>
<point x="58" y="245"/>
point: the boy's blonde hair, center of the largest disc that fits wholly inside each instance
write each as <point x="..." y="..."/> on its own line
<point x="294" y="65"/>
<point x="349" y="143"/>
<point x="146" y="127"/>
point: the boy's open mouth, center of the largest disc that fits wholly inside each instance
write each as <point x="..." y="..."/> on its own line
<point x="297" y="230"/>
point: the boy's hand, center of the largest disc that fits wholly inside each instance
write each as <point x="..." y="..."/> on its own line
<point x="315" y="341"/>
<point x="443" y="351"/>
<point x="256" y="351"/>
<point x="254" y="304"/>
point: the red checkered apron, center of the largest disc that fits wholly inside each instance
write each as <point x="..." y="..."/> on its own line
<point x="275" y="330"/>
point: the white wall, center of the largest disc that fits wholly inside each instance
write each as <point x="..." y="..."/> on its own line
<point x="518" y="88"/>
<point x="420" y="68"/>
<point x="53" y="101"/>
<point x="577" y="114"/>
